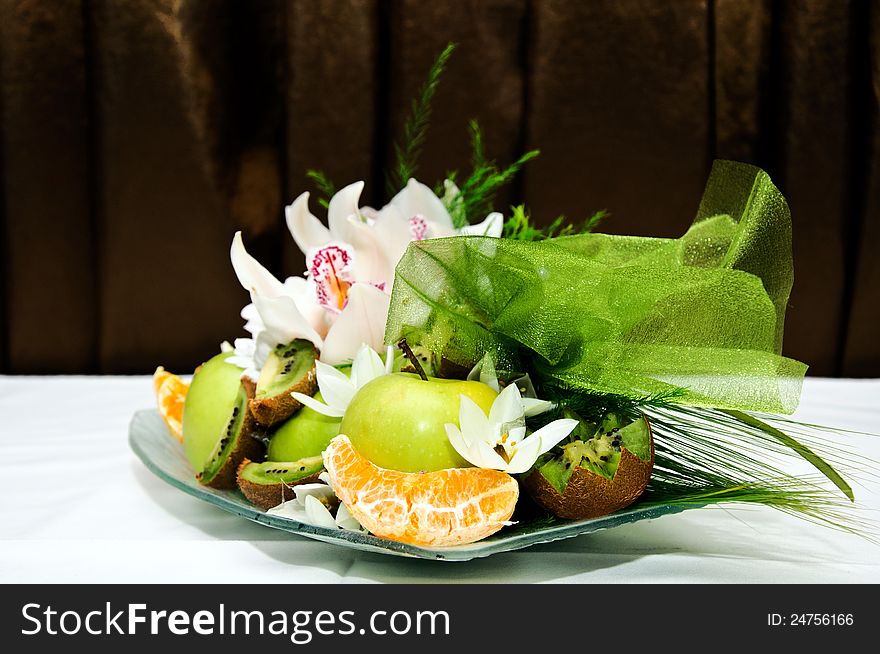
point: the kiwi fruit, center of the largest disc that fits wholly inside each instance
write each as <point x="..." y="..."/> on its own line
<point x="270" y="483"/>
<point x="217" y="425"/>
<point x="305" y="434"/>
<point x="288" y="368"/>
<point x="594" y="475"/>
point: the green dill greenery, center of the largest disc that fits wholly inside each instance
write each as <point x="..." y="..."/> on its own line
<point x="325" y="186"/>
<point x="416" y="126"/>
<point x="476" y="194"/>
<point x="520" y="226"/>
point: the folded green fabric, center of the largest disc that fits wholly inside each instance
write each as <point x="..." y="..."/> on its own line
<point x="625" y="315"/>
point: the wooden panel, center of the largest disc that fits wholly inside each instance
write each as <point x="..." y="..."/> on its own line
<point x="332" y="94"/>
<point x="484" y="80"/>
<point x="50" y="258"/>
<point x="741" y="74"/>
<point x="862" y="354"/>
<point x="811" y="125"/>
<point x="169" y="176"/>
<point x="619" y="105"/>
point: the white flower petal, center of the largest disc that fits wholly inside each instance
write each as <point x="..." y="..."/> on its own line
<point x="439" y="230"/>
<point x="366" y="367"/>
<point x="361" y="321"/>
<point x="318" y="514"/>
<point x="525" y="456"/>
<point x="393" y="232"/>
<point x="250" y="272"/>
<point x="245" y="347"/>
<point x="318" y="491"/>
<point x="473" y="422"/>
<point x="484" y="372"/>
<point x="306" y="229"/>
<point x="306" y="298"/>
<point x="345" y="520"/>
<point x="336" y="389"/>
<point x="226" y="347"/>
<point x="253" y="323"/>
<point x="283" y="321"/>
<point x="484" y="456"/>
<point x="373" y="262"/>
<point x="389" y="359"/>
<point x="343" y="205"/>
<point x="266" y="342"/>
<point x="315" y="405"/>
<point x="416" y="199"/>
<point x="507" y="407"/>
<point x="458" y="442"/>
<point x="292" y="509"/>
<point x="491" y="226"/>
<point x="551" y="434"/>
<point x="533" y="406"/>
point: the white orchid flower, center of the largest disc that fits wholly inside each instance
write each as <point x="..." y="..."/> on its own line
<point x="310" y="506"/>
<point x="498" y="441"/>
<point x="374" y="241"/>
<point x="343" y="300"/>
<point x="338" y="389"/>
<point x="281" y="312"/>
<point x="358" y="246"/>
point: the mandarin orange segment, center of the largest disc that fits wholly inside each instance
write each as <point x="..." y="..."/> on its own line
<point x="446" y="507"/>
<point x="170" y="395"/>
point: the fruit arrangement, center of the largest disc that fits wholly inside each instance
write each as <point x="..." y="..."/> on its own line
<point x="439" y="366"/>
<point x="423" y="460"/>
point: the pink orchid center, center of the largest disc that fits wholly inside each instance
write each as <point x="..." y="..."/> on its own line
<point x="329" y="268"/>
<point x="418" y="227"/>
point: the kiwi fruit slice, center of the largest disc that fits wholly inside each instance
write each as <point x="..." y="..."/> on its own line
<point x="305" y="434"/>
<point x="592" y="476"/>
<point x="270" y="483"/>
<point x="288" y="368"/>
<point x="217" y="426"/>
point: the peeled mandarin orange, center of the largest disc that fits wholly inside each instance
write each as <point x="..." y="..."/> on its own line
<point x="170" y="394"/>
<point x="453" y="506"/>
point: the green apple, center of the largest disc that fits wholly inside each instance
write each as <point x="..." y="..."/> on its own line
<point x="397" y="421"/>
<point x="304" y="435"/>
<point x="212" y="394"/>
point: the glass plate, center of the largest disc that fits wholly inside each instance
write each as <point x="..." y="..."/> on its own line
<point x="164" y="456"/>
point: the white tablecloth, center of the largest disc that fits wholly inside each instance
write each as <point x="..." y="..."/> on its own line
<point x="80" y="507"/>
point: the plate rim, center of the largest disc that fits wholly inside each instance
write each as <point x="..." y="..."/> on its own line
<point x="364" y="541"/>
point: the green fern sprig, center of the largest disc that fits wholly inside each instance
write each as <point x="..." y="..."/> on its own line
<point x="520" y="227"/>
<point x="477" y="193"/>
<point x="325" y="186"/>
<point x="416" y="126"/>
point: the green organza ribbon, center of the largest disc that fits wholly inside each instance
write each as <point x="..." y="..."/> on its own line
<point x="620" y="314"/>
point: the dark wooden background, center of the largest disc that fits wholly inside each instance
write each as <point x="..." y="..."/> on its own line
<point x="136" y="136"/>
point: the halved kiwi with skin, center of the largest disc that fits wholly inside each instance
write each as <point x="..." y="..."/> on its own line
<point x="270" y="483"/>
<point x="288" y="368"/>
<point x="236" y="444"/>
<point x="217" y="426"/>
<point x="592" y="476"/>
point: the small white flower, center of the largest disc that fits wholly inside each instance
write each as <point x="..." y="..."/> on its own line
<point x="309" y="506"/>
<point x="484" y="372"/>
<point x="499" y="441"/>
<point x="338" y="389"/>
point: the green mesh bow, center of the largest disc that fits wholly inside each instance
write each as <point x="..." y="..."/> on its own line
<point x="625" y="315"/>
